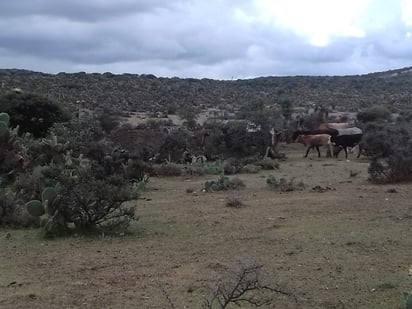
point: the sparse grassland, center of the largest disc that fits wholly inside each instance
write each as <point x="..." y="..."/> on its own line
<point x="348" y="247"/>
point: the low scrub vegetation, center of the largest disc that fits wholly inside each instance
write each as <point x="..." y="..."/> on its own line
<point x="283" y="184"/>
<point x="389" y="147"/>
<point x="224" y="183"/>
<point x="48" y="182"/>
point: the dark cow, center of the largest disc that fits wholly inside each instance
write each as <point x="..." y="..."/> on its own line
<point x="340" y="138"/>
<point x="345" y="138"/>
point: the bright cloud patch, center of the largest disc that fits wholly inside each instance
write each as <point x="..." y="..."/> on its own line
<point x="317" y="20"/>
<point x="407" y="12"/>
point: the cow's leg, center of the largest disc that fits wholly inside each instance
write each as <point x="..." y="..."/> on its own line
<point x="346" y="152"/>
<point x="307" y="150"/>
<point x="330" y="150"/>
<point x="337" y="151"/>
<point x="317" y="148"/>
<point x="360" y="150"/>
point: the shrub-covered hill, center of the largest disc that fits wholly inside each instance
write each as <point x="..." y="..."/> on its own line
<point x="132" y="92"/>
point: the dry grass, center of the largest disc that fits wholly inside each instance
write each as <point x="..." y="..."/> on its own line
<point x="348" y="247"/>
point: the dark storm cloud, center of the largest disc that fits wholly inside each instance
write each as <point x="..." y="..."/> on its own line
<point x="187" y="38"/>
<point x="81" y="10"/>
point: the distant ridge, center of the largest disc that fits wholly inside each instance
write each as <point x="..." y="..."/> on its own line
<point x="405" y="70"/>
<point x="146" y="92"/>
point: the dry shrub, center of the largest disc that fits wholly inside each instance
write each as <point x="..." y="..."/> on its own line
<point x="283" y="184"/>
<point x="234" y="202"/>
<point x="167" y="170"/>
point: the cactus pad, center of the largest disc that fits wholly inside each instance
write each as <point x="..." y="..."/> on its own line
<point x="49" y="194"/>
<point x="5" y="117"/>
<point x="35" y="208"/>
<point x="408" y="300"/>
<point x="4" y="129"/>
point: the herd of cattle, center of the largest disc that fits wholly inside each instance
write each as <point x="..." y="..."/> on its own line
<point x="335" y="136"/>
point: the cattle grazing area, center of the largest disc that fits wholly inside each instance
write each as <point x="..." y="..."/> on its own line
<point x="338" y="242"/>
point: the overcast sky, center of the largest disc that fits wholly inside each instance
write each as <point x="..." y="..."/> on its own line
<point x="220" y="39"/>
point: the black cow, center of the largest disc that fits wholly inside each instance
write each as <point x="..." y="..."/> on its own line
<point x="349" y="137"/>
<point x="340" y="138"/>
<point x="345" y="141"/>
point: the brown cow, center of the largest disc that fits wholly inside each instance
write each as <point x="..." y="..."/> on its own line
<point x="334" y="125"/>
<point x="314" y="141"/>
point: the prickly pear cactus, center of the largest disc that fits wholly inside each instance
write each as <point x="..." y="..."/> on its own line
<point x="48" y="195"/>
<point x="46" y="205"/>
<point x="4" y="129"/>
<point x="35" y="208"/>
<point x="5" y="117"/>
<point x="407" y="300"/>
<point x="207" y="185"/>
<point x="50" y="218"/>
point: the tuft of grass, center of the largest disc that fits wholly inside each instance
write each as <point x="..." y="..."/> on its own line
<point x="353" y="173"/>
<point x="234" y="202"/>
<point x="283" y="184"/>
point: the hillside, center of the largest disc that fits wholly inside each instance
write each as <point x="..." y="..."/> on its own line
<point x="132" y="92"/>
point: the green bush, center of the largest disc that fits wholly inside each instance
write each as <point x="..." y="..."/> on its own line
<point x="389" y="147"/>
<point x="33" y="113"/>
<point x="83" y="204"/>
<point x="375" y="113"/>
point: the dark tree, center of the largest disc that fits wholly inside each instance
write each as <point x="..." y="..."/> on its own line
<point x="33" y="113"/>
<point x="375" y="113"/>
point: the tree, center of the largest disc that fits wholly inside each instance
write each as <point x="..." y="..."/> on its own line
<point x="108" y="120"/>
<point x="375" y="113"/>
<point x="32" y="112"/>
<point x="286" y="107"/>
<point x="261" y="113"/>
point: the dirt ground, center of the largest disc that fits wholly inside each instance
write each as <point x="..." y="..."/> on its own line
<point x="345" y="244"/>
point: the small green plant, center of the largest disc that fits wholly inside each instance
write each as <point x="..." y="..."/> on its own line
<point x="283" y="184"/>
<point x="224" y="183"/>
<point x="407" y="300"/>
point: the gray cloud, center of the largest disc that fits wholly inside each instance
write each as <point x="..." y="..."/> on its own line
<point x="181" y="38"/>
<point x="80" y="10"/>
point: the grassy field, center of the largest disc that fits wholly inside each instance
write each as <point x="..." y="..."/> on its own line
<point x="341" y="242"/>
